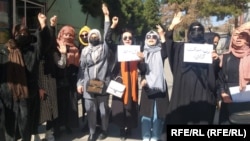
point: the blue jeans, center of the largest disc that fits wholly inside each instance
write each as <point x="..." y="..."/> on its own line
<point x="151" y="127"/>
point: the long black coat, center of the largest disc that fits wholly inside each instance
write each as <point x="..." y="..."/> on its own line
<point x="193" y="98"/>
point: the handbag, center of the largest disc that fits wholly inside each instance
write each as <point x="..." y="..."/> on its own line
<point x="116" y="88"/>
<point x="239" y="112"/>
<point x="95" y="86"/>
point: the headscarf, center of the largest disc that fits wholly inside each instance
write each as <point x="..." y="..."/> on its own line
<point x="242" y="52"/>
<point x="72" y="51"/>
<point x="209" y="38"/>
<point x="16" y="75"/>
<point x="155" y="71"/>
<point x="196" y="33"/>
<point x="83" y="29"/>
<point x="97" y="50"/>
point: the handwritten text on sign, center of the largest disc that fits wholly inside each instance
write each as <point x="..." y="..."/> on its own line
<point x="198" y="53"/>
<point x="128" y="52"/>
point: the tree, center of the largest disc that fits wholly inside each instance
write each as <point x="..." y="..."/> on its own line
<point x="132" y="16"/>
<point x="129" y="12"/>
<point x="89" y="7"/>
<point x="203" y="9"/>
<point x="151" y="13"/>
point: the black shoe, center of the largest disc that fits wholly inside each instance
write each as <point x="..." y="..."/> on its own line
<point x="123" y="134"/>
<point x="91" y="137"/>
<point x="128" y="132"/>
<point x="103" y="135"/>
<point x="57" y="133"/>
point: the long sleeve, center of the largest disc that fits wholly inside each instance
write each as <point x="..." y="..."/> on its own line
<point x="110" y="42"/>
<point x="81" y="70"/>
<point x="60" y="60"/>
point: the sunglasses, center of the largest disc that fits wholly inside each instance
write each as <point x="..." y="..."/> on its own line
<point x="83" y="35"/>
<point x="127" y="38"/>
<point x="151" y="37"/>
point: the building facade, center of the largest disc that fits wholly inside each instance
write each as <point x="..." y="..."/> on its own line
<point x="13" y="12"/>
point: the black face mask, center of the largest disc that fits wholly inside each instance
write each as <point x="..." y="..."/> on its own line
<point x="23" y="40"/>
<point x="196" y="33"/>
<point x="94" y="42"/>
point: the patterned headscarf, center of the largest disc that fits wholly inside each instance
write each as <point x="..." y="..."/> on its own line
<point x="72" y="51"/>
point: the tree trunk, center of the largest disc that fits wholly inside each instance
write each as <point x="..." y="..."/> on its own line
<point x="87" y="17"/>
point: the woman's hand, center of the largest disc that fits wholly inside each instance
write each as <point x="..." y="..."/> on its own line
<point x="42" y="94"/>
<point x="140" y="55"/>
<point x="161" y="33"/>
<point x="80" y="89"/>
<point x="115" y="21"/>
<point x="215" y="56"/>
<point x="226" y="98"/>
<point x="160" y="30"/>
<point x="42" y="20"/>
<point x="176" y="20"/>
<point x="62" y="47"/>
<point x="105" y="10"/>
<point x="143" y="82"/>
<point x="53" y="20"/>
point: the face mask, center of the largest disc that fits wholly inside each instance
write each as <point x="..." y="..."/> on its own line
<point x="196" y="35"/>
<point x="22" y="40"/>
<point x="94" y="42"/>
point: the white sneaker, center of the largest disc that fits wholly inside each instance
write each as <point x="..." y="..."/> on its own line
<point x="146" y="140"/>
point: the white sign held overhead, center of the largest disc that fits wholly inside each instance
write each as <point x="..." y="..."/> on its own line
<point x="198" y="53"/>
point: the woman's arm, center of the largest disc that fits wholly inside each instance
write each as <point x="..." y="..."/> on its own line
<point x="108" y="38"/>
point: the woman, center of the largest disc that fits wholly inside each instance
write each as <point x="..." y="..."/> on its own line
<point x="30" y="52"/>
<point x="193" y="99"/>
<point x="94" y="65"/>
<point x="50" y="57"/>
<point x="234" y="68"/>
<point x="125" y="109"/>
<point x="66" y="82"/>
<point x="14" y="92"/>
<point x="154" y="96"/>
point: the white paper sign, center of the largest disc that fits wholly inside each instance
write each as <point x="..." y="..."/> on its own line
<point x="115" y="88"/>
<point x="238" y="96"/>
<point x="198" y="53"/>
<point x="128" y="53"/>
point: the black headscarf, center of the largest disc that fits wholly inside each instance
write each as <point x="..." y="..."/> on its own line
<point x="209" y="38"/>
<point x="196" y="33"/>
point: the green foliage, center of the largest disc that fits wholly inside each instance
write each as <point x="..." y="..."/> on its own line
<point x="219" y="8"/>
<point x="132" y="15"/>
<point x="92" y="7"/>
<point x="151" y="13"/>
